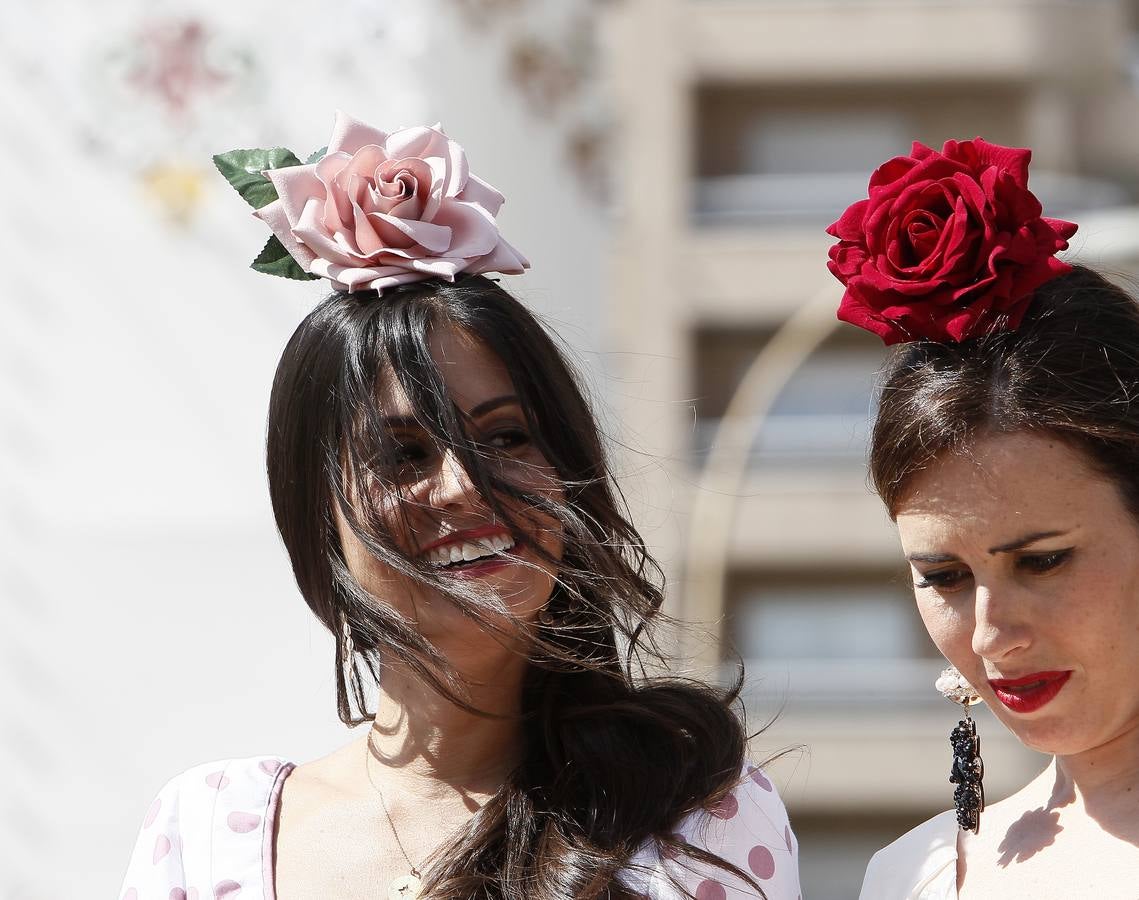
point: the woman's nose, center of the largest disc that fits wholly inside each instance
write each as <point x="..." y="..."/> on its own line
<point x="1000" y="626"/>
<point x="451" y="484"/>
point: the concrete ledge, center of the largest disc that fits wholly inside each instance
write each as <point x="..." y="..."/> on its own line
<point x="984" y="40"/>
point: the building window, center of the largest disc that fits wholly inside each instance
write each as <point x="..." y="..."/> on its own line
<point x="801" y="617"/>
<point x="823" y="414"/>
<point x="768" y="155"/>
<point x="830" y="638"/>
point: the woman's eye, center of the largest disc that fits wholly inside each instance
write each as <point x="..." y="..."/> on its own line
<point x="508" y="439"/>
<point x="944" y="579"/>
<point x="1044" y="562"/>
<point x="409" y="452"/>
<point x="403" y="459"/>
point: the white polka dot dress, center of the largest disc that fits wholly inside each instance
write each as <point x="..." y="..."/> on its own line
<point x="748" y="828"/>
<point x="208" y="835"/>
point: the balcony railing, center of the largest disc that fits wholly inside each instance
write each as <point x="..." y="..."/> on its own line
<point x="799" y="199"/>
<point x="808" y="683"/>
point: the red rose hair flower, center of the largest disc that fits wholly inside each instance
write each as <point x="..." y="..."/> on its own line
<point x="947" y="246"/>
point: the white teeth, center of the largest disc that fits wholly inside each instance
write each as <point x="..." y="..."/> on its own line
<point x="469" y="550"/>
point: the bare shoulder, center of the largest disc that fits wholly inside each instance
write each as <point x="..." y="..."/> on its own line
<point x="1023" y="816"/>
<point x="328" y="839"/>
<point x="931" y="852"/>
<point x="328" y="780"/>
<point x="1037" y="844"/>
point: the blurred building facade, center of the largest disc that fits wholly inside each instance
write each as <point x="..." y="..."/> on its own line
<point x="744" y="128"/>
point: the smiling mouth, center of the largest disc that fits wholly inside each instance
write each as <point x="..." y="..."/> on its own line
<point x="469" y="554"/>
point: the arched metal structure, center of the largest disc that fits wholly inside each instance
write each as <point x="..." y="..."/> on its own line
<point x="718" y="487"/>
<point x="1108" y="238"/>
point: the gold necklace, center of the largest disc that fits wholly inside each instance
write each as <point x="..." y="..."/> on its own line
<point x="403" y="887"/>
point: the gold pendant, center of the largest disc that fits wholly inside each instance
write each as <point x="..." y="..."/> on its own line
<point x="406" y="887"/>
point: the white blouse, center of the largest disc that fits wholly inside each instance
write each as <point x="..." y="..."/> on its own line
<point x="208" y="835"/>
<point x="920" y="865"/>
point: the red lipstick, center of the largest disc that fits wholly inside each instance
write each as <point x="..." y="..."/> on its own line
<point x="1030" y="693"/>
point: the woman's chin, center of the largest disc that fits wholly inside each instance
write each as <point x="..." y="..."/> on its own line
<point x="1055" y="736"/>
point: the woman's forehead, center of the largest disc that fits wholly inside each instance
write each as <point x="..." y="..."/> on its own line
<point x="1005" y="483"/>
<point x="471" y="372"/>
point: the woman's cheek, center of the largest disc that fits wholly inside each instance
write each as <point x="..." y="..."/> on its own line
<point x="950" y="631"/>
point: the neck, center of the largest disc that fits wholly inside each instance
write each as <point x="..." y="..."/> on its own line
<point x="433" y="746"/>
<point x="1101" y="778"/>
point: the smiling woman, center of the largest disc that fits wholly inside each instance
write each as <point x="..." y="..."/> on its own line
<point x="441" y="486"/>
<point x="456" y="563"/>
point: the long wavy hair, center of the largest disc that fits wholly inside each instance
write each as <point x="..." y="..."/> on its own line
<point x="611" y="758"/>
<point x="1071" y="371"/>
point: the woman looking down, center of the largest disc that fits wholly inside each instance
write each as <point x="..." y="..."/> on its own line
<point x="1006" y="449"/>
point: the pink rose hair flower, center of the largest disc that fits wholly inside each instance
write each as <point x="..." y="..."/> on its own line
<point x="375" y="210"/>
<point x="947" y="246"/>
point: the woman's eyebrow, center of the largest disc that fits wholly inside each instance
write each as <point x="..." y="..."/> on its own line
<point x="1021" y="543"/>
<point x="932" y="557"/>
<point x="490" y="405"/>
<point x="410" y="423"/>
<point x="402" y="423"/>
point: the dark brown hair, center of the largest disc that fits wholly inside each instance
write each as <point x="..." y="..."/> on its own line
<point x="1071" y="371"/>
<point x="611" y="758"/>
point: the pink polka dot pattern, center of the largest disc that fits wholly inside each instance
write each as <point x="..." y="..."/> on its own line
<point x="161" y="848"/>
<point x="226" y="809"/>
<point x="761" y="862"/>
<point x="207" y="838"/>
<point x="748" y="829"/>
<point x="726" y="808"/>
<point x="152" y="813"/>
<point x="710" y="890"/>
<point x="242" y="822"/>
<point x="759" y="778"/>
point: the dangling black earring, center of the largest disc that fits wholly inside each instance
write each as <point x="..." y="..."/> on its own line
<point x="968" y="768"/>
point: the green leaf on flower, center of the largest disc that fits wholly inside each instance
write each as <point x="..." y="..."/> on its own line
<point x="243" y="168"/>
<point x="317" y="156"/>
<point x="274" y="259"/>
